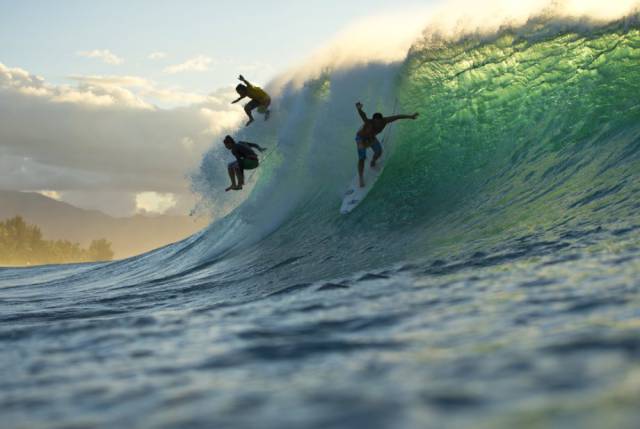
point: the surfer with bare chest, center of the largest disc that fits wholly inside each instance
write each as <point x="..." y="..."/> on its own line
<point x="367" y="137"/>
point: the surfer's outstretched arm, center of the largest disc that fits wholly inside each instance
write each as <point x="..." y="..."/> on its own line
<point x="361" y="112"/>
<point x="238" y="99"/>
<point x="256" y="146"/>
<point x="390" y="119"/>
<point x="245" y="81"/>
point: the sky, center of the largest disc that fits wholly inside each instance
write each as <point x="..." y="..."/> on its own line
<point x="108" y="105"/>
<point x="262" y="37"/>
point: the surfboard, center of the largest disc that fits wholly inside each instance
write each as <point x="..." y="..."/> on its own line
<point x="355" y="194"/>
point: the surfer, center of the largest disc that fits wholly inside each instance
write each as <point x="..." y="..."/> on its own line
<point x="367" y="137"/>
<point x="246" y="159"/>
<point x="259" y="99"/>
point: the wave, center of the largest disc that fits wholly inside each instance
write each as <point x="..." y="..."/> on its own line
<point x="532" y="130"/>
<point x="532" y="127"/>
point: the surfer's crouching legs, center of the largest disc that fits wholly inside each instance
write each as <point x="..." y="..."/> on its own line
<point x="377" y="152"/>
<point x="235" y="171"/>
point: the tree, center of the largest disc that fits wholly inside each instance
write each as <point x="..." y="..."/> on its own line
<point x="100" y="250"/>
<point x="23" y="244"/>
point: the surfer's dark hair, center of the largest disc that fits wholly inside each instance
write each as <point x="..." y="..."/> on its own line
<point x="241" y="88"/>
<point x="377" y="115"/>
<point x="228" y="139"/>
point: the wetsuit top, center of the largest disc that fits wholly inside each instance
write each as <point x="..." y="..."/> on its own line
<point x="256" y="93"/>
<point x="242" y="151"/>
<point x="369" y="130"/>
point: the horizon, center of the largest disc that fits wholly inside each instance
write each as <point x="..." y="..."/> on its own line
<point x="128" y="236"/>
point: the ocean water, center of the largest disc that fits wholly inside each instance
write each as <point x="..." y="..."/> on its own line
<point x="489" y="280"/>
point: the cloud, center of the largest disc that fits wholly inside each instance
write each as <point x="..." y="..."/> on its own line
<point x="87" y="93"/>
<point x="143" y="88"/>
<point x="105" y="55"/>
<point x="174" y="96"/>
<point x="112" y="81"/>
<point x="158" y="55"/>
<point x="102" y="135"/>
<point x="51" y="194"/>
<point x="219" y="119"/>
<point x="188" y="143"/>
<point x="114" y="203"/>
<point x="197" y="64"/>
<point x="154" y="202"/>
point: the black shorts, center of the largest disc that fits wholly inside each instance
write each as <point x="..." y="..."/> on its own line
<point x="245" y="164"/>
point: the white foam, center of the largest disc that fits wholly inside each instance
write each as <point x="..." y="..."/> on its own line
<point x="387" y="38"/>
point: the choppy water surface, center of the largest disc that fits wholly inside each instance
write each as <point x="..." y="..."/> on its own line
<point x="491" y="340"/>
<point x="490" y="279"/>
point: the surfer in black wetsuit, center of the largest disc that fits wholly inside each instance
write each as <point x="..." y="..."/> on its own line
<point x="367" y="137"/>
<point x="246" y="159"/>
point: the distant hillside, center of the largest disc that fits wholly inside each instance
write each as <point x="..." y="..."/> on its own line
<point x="129" y="236"/>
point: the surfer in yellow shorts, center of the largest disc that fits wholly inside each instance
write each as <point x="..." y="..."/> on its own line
<point x="259" y="99"/>
<point x="367" y="137"/>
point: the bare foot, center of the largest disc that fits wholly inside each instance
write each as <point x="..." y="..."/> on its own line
<point x="267" y="114"/>
<point x="249" y="123"/>
<point x="373" y="164"/>
<point x="233" y="188"/>
<point x="362" y="185"/>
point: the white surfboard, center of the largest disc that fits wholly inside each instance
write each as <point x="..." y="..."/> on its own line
<point x="355" y="194"/>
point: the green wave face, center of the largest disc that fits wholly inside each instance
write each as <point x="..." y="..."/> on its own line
<point x="533" y="132"/>
<point x="525" y="130"/>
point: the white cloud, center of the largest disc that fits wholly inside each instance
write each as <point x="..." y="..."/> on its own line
<point x="104" y="54"/>
<point x="154" y="202"/>
<point x="174" y="96"/>
<point x="85" y="98"/>
<point x="197" y="64"/>
<point x="158" y="55"/>
<point x="51" y="194"/>
<point x="220" y="119"/>
<point x="88" y="93"/>
<point x="113" y="81"/>
<point x="188" y="143"/>
<point x="144" y="88"/>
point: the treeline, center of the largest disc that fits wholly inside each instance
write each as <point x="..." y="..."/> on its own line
<point x="23" y="244"/>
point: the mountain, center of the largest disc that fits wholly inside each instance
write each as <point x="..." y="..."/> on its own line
<point x="129" y="236"/>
